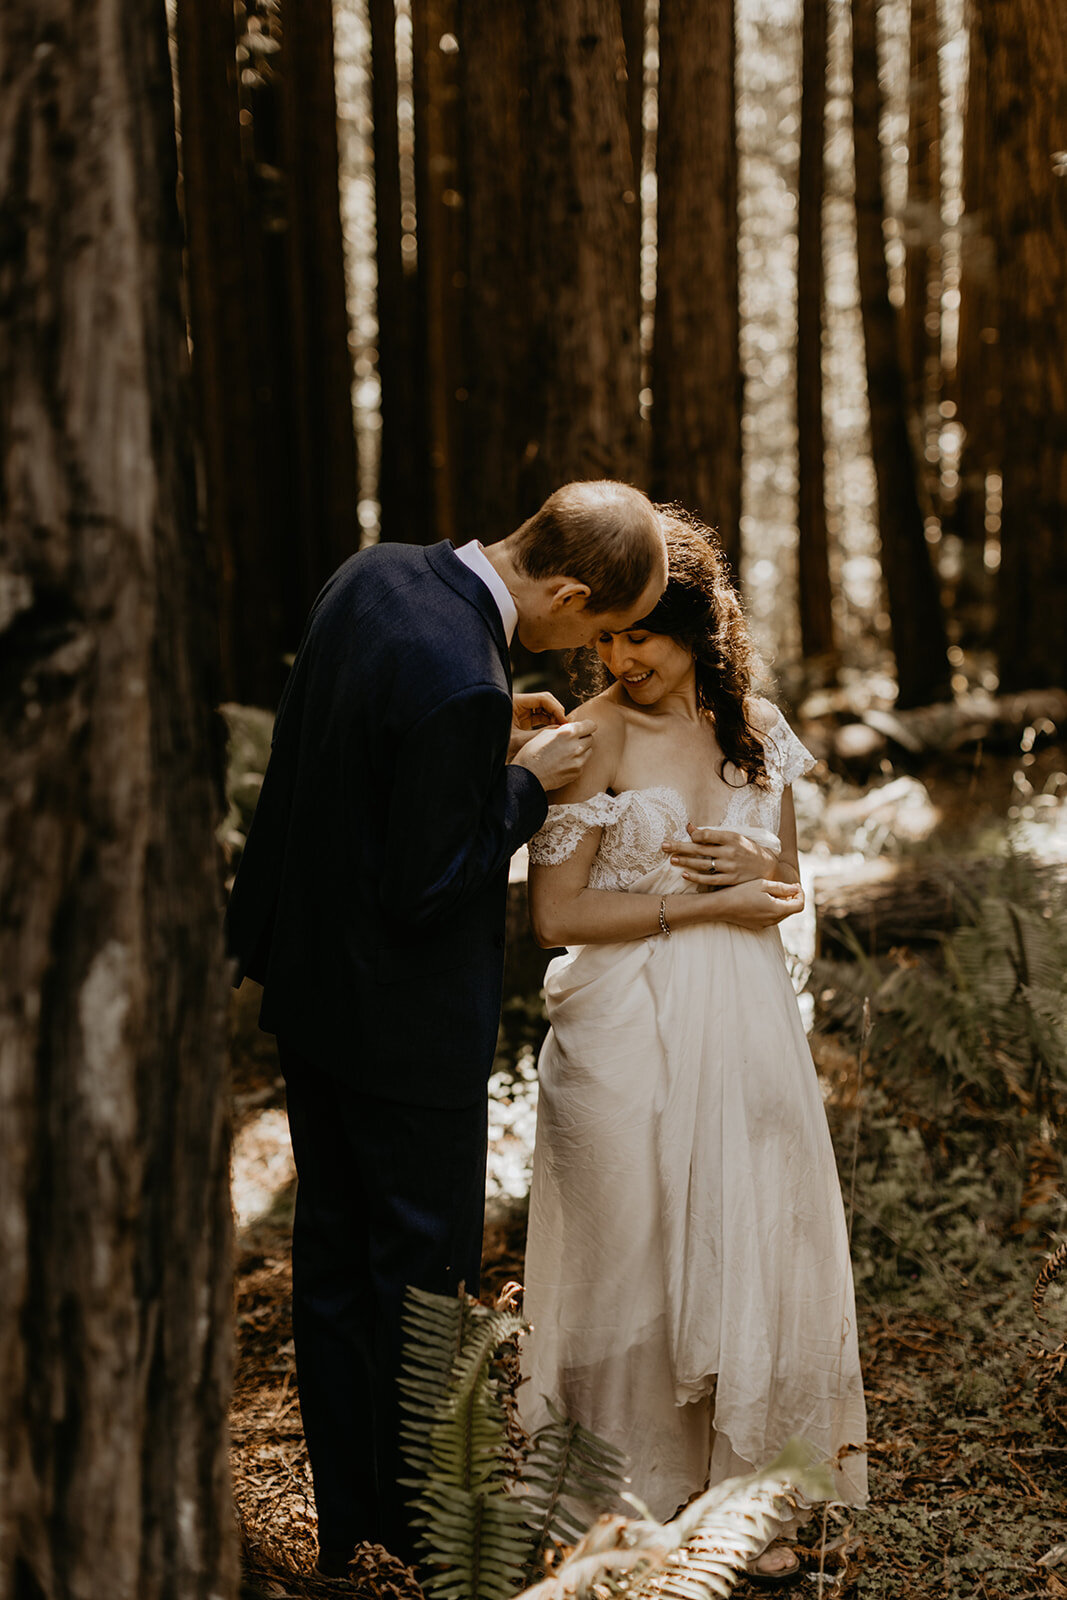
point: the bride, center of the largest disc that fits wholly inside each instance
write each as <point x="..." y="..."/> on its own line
<point x="687" y="1273"/>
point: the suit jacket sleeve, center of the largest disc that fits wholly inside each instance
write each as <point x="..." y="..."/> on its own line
<point x="457" y="811"/>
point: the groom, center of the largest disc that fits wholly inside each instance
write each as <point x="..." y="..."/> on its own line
<point x="370" y="904"/>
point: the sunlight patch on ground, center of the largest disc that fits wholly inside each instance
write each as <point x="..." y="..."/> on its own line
<point x="261" y="1166"/>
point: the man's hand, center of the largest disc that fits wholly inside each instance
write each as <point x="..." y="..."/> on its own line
<point x="760" y="903"/>
<point x="531" y="713"/>
<point x="556" y="756"/>
<point x="718" y="858"/>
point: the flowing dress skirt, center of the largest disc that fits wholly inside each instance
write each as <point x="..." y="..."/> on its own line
<point x="687" y="1274"/>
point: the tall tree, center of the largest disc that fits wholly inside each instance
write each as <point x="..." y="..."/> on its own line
<point x="499" y="438"/>
<point x="583" y="367"/>
<point x="114" y="1204"/>
<point x="320" y="390"/>
<point x="919" y="641"/>
<point x="227" y="313"/>
<point x="922" y="258"/>
<point x="975" y="383"/>
<point x="402" y="481"/>
<point x="1026" y="51"/>
<point x="696" y="363"/>
<point x="438" y="201"/>
<point x="814" y="589"/>
<point x="634" y="29"/>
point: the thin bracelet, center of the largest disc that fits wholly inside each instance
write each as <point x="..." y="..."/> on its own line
<point x="664" y="925"/>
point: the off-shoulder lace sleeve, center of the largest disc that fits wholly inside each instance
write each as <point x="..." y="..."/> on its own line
<point x="566" y="825"/>
<point x="787" y="758"/>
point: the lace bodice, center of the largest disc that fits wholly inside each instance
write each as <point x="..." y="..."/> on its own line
<point x="637" y="821"/>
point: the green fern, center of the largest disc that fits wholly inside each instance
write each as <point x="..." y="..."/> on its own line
<point x="570" y="1476"/>
<point x="481" y="1518"/>
<point x="472" y="1537"/>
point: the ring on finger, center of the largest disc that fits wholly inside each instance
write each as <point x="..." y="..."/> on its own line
<point x="711" y="863"/>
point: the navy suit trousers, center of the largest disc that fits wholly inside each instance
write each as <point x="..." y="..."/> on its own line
<point x="387" y="1195"/>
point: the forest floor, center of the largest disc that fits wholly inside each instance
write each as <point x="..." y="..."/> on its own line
<point x="968" y="1472"/>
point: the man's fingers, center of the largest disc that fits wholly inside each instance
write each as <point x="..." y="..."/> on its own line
<point x="549" y="703"/>
<point x="581" y="730"/>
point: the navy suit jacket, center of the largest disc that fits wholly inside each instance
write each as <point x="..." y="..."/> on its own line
<point x="370" y="900"/>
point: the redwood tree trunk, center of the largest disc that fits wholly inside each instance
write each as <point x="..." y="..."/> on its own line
<point x="814" y="590"/>
<point x="500" y="428"/>
<point x="228" y="314"/>
<point x="919" y="642"/>
<point x="584" y="236"/>
<point x="975" y="384"/>
<point x="922" y="263"/>
<point x="402" y="480"/>
<point x="1026" y="49"/>
<point x="327" y="526"/>
<point x="440" y="249"/>
<point x="696" y="364"/>
<point x="633" y="36"/>
<point x="114" y="1204"/>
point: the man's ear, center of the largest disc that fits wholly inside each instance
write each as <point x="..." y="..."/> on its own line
<point x="569" y="595"/>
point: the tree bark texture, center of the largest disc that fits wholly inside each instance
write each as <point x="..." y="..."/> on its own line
<point x="438" y="202"/>
<point x="922" y="221"/>
<point x="327" y="524"/>
<point x="919" y="641"/>
<point x="814" y="589"/>
<point x="696" y="368"/>
<point x="1026" y="49"/>
<point x="114" y="1205"/>
<point x="402" y="482"/>
<point x="583" y="368"/>
<point x="634" y="29"/>
<point x="975" y="384"/>
<point x="233" y="381"/>
<point x="500" y="435"/>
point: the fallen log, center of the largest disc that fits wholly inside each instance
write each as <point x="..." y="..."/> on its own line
<point x="896" y="903"/>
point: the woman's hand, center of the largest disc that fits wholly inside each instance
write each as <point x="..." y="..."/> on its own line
<point x="530" y="714"/>
<point x="757" y="904"/>
<point x="718" y="858"/>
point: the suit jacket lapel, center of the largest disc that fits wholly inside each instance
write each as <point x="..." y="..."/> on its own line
<point x="442" y="558"/>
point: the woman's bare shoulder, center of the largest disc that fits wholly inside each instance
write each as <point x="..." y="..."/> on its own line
<point x="605" y="711"/>
<point x="608" y="741"/>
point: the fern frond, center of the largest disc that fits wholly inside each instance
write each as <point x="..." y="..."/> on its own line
<point x="703" y="1550"/>
<point x="435" y="1327"/>
<point x="570" y="1476"/>
<point x="477" y="1544"/>
<point x="1056" y="1263"/>
<point x="472" y="1535"/>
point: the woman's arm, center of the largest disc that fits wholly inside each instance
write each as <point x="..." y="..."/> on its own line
<point x="564" y="910"/>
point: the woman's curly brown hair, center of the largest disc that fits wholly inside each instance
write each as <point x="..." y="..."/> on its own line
<point x="701" y="610"/>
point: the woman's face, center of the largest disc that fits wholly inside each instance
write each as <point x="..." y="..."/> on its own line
<point x="648" y="665"/>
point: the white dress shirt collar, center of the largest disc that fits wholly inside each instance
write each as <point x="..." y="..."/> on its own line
<point x="473" y="556"/>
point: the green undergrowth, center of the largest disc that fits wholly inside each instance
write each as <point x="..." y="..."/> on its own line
<point x="947" y="1095"/>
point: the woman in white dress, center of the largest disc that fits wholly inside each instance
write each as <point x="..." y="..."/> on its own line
<point x="687" y="1272"/>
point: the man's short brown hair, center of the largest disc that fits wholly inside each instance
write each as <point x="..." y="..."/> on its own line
<point x="604" y="534"/>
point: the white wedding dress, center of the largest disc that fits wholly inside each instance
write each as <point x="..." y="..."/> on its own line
<point x="687" y="1273"/>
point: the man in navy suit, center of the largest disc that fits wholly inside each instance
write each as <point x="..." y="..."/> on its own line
<point x="370" y="903"/>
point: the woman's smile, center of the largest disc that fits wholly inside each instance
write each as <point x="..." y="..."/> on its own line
<point x="640" y="660"/>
